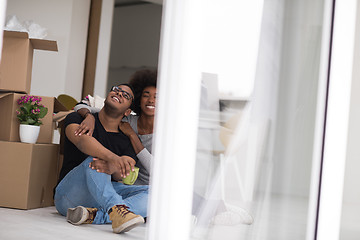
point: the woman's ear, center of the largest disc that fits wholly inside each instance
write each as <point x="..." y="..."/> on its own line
<point x="127" y="112"/>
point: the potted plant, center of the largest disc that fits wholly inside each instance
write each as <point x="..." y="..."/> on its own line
<point x="29" y="115"/>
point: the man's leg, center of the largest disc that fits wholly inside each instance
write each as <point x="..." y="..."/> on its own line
<point x="84" y="186"/>
<point x="134" y="196"/>
<point x="73" y="190"/>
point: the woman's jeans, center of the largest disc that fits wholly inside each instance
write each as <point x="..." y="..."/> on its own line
<point x="86" y="187"/>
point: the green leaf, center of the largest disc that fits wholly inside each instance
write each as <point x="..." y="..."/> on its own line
<point x="27" y="107"/>
<point x="23" y="110"/>
<point x="30" y="121"/>
<point x="43" y="112"/>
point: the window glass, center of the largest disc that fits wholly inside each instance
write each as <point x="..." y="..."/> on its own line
<point x="261" y="62"/>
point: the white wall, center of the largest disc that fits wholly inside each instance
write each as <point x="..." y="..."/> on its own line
<point x="103" y="52"/>
<point x="60" y="72"/>
<point x="2" y="21"/>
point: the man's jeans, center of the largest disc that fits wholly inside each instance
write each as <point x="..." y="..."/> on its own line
<point x="86" y="187"/>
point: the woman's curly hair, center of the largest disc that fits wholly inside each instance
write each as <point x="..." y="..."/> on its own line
<point x="140" y="80"/>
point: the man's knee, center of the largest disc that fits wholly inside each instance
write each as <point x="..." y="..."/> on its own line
<point x="85" y="164"/>
<point x="87" y="161"/>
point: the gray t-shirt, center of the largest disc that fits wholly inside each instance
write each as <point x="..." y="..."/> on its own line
<point x="144" y="156"/>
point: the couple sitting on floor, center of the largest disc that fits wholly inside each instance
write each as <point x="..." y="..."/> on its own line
<point x="102" y="148"/>
<point x="97" y="154"/>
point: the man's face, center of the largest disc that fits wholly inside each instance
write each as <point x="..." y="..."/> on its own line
<point x="120" y="98"/>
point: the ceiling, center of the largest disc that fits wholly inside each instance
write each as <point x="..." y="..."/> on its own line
<point x="123" y="3"/>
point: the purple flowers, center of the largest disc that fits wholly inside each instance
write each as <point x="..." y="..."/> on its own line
<point x="30" y="110"/>
<point x="35" y="111"/>
<point x="29" y="98"/>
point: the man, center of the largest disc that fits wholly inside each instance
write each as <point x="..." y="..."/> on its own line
<point x="86" y="195"/>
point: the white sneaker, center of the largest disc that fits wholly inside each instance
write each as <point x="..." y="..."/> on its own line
<point x="193" y="220"/>
<point x="233" y="216"/>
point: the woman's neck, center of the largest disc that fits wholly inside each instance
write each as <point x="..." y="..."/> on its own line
<point x="145" y="124"/>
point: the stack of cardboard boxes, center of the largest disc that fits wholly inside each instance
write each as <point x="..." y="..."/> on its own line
<point x="28" y="172"/>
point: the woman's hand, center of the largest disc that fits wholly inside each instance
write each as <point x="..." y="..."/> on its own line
<point x="126" y="129"/>
<point x="120" y="167"/>
<point x="87" y="126"/>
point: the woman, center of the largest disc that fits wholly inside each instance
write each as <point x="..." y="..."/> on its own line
<point x="138" y="127"/>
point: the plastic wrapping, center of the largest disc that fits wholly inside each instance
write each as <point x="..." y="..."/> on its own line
<point x="33" y="29"/>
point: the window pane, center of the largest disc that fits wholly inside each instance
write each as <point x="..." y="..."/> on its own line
<point x="350" y="217"/>
<point x="261" y="66"/>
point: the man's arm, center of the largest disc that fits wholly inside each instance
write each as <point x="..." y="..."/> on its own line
<point x="90" y="146"/>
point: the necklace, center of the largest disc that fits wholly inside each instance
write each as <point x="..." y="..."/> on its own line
<point x="144" y="131"/>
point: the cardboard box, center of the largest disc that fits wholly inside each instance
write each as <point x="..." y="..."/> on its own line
<point x="59" y="119"/>
<point x="28" y="174"/>
<point x="16" y="60"/>
<point x="9" y="124"/>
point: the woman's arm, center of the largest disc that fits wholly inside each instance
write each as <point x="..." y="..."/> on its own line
<point x="136" y="143"/>
<point x="145" y="158"/>
<point x="85" y="106"/>
<point x="88" y="124"/>
<point x="142" y="153"/>
<point x="129" y="131"/>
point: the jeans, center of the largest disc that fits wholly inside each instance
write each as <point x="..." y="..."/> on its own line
<point x="83" y="186"/>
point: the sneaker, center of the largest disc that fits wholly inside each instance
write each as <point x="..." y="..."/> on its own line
<point x="233" y="216"/>
<point x="81" y="215"/>
<point x="193" y="220"/>
<point x="123" y="220"/>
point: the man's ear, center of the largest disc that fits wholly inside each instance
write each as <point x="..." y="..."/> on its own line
<point x="127" y="112"/>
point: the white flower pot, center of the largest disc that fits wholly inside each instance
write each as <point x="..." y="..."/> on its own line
<point x="29" y="133"/>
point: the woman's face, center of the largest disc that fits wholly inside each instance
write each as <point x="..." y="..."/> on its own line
<point x="147" y="101"/>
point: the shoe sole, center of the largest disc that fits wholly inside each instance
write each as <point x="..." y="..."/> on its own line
<point x="244" y="218"/>
<point x="76" y="215"/>
<point x="129" y="225"/>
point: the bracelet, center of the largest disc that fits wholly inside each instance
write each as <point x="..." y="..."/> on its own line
<point x="87" y="114"/>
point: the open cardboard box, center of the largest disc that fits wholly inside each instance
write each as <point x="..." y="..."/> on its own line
<point x="9" y="124"/>
<point x="28" y="174"/>
<point x="59" y="119"/>
<point x="17" y="58"/>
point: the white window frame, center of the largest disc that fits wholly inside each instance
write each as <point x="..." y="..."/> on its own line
<point x="177" y="111"/>
<point x="337" y="118"/>
<point x="320" y="119"/>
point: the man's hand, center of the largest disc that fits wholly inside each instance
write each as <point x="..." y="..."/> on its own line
<point x="87" y="126"/>
<point x="120" y="167"/>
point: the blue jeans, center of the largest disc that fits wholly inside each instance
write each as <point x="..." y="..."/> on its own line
<point x="86" y="187"/>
